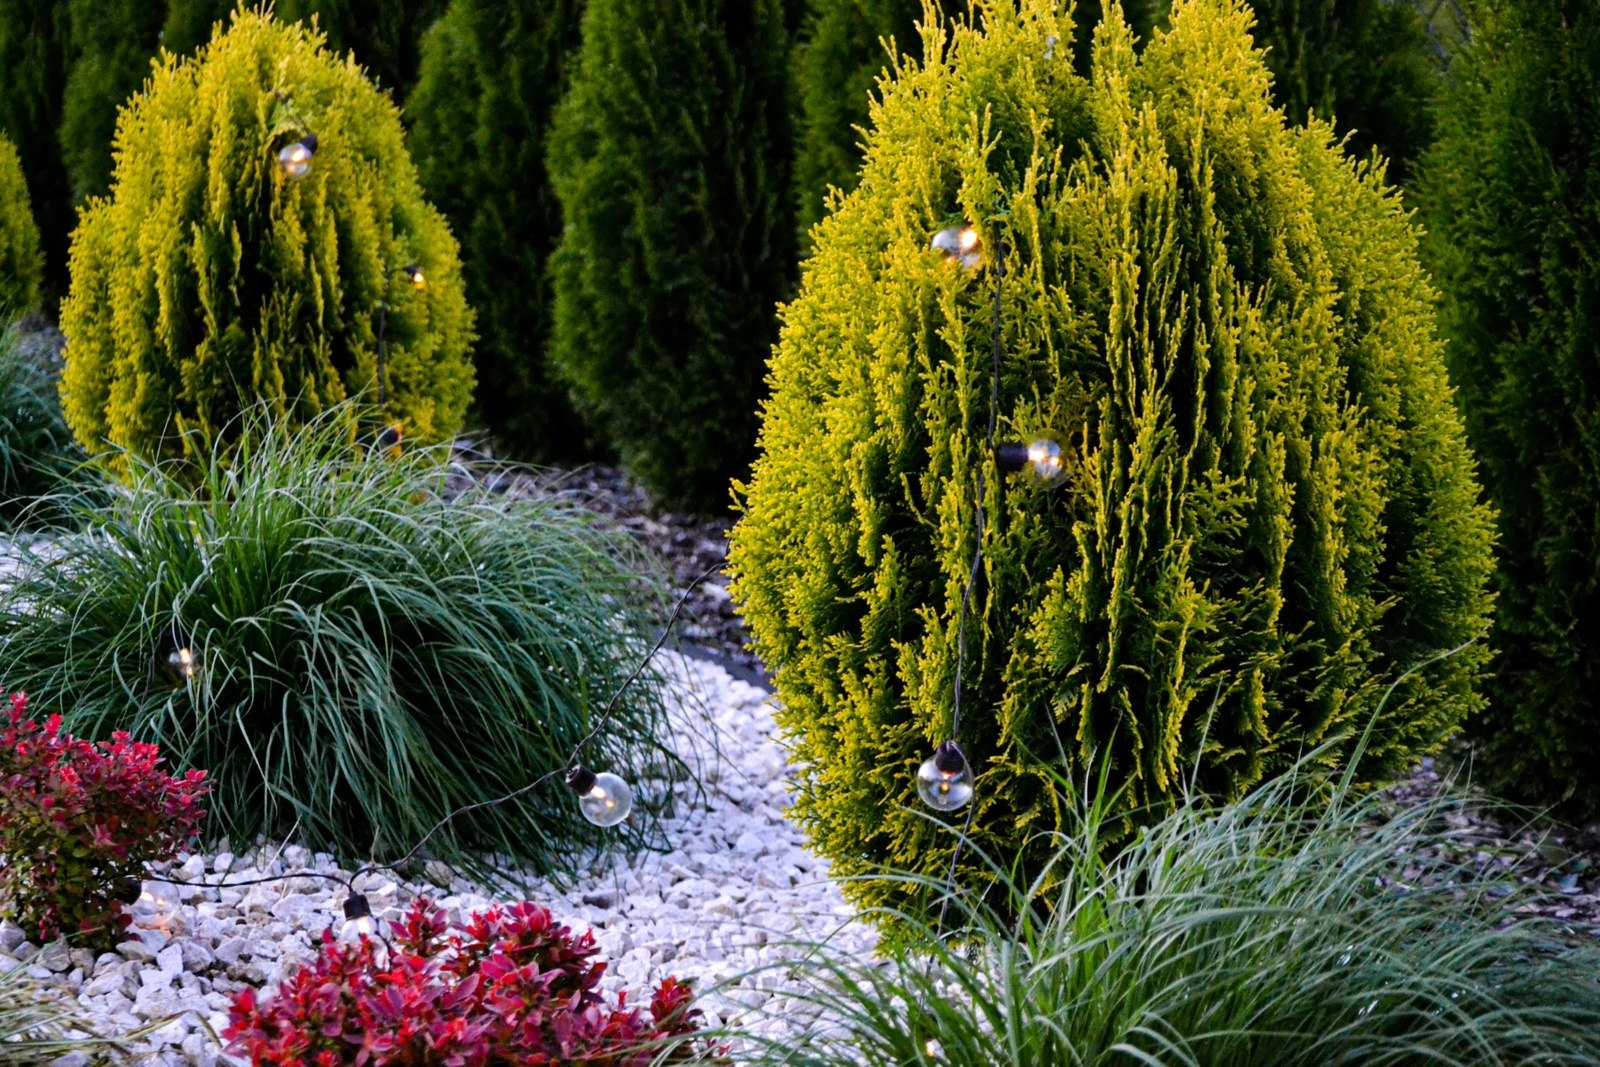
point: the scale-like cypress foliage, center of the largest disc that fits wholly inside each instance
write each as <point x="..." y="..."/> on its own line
<point x="33" y="39"/>
<point x="20" y="264"/>
<point x="208" y="283"/>
<point x="1511" y="197"/>
<point x="113" y="42"/>
<point x="1269" y="513"/>
<point x="190" y="23"/>
<point x="492" y="71"/>
<point x="384" y="35"/>
<point x="668" y="157"/>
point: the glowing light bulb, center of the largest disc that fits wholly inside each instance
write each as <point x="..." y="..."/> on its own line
<point x="932" y="1049"/>
<point x="359" y="912"/>
<point x="1042" y="457"/>
<point x="1045" y="456"/>
<point x="944" y="781"/>
<point x="604" y="799"/>
<point x="414" y="273"/>
<point x="295" y="159"/>
<point x="959" y="244"/>
<point x="182" y="663"/>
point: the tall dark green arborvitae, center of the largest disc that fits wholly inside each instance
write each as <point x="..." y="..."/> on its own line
<point x="492" y="72"/>
<point x="1367" y="66"/>
<point x="20" y="263"/>
<point x="113" y="42"/>
<point x="1511" y="199"/>
<point x="1269" y="511"/>
<point x="385" y="36"/>
<point x="668" y="157"/>
<point x="210" y="281"/>
<point x="33" y="41"/>
<point x="190" y="23"/>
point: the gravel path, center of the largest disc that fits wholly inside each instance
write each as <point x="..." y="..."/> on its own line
<point x="736" y="892"/>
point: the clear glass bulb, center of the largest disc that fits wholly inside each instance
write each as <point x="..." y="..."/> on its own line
<point x="1045" y="458"/>
<point x="944" y="790"/>
<point x="414" y="273"/>
<point x="295" y="159"/>
<point x="608" y="801"/>
<point x="959" y="244"/>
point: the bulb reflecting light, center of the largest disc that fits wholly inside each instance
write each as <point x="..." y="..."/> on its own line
<point x="932" y="1049"/>
<point x="944" y="781"/>
<point x="414" y="274"/>
<point x="295" y="159"/>
<point x="1045" y="458"/>
<point x="181" y="663"/>
<point x="959" y="244"/>
<point x="604" y="799"/>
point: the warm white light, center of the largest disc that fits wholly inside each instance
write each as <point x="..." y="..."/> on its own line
<point x="944" y="781"/>
<point x="609" y="802"/>
<point x="960" y="244"/>
<point x="1045" y="456"/>
<point x="414" y="273"/>
<point x="182" y="663"/>
<point x="932" y="1049"/>
<point x="295" y="159"/>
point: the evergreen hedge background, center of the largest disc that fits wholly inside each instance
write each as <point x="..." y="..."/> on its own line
<point x="111" y="46"/>
<point x="492" y="72"/>
<point x="1270" y="512"/>
<point x="33" y="64"/>
<point x="20" y="263"/>
<point x="207" y="283"/>
<point x="1511" y="198"/>
<point x="668" y="156"/>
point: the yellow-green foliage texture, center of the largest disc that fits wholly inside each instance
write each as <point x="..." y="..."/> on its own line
<point x="207" y="282"/>
<point x="1270" y="512"/>
<point x="20" y="265"/>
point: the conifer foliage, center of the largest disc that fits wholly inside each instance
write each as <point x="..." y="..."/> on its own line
<point x="112" y="44"/>
<point x="33" y="41"/>
<point x="1511" y="199"/>
<point x="1269" y="512"/>
<point x="208" y="281"/>
<point x="20" y="263"/>
<point x="667" y="157"/>
<point x="492" y="72"/>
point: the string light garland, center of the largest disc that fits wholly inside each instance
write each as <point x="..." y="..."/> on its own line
<point x="604" y="799"/>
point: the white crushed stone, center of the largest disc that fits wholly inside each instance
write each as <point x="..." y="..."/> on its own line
<point x="737" y="892"/>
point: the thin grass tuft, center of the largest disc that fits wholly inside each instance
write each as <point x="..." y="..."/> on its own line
<point x="370" y="645"/>
<point x="1273" y="930"/>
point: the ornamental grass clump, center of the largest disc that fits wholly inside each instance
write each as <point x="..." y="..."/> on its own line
<point x="78" y="821"/>
<point x="355" y="642"/>
<point x="1267" y="504"/>
<point x="37" y="1026"/>
<point x="1289" y="927"/>
<point x="508" y="986"/>
<point x="213" y="277"/>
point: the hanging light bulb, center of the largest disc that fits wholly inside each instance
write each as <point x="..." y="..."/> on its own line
<point x="932" y="1049"/>
<point x="959" y="244"/>
<point x="414" y="274"/>
<point x="295" y="159"/>
<point x="358" y="911"/>
<point x="604" y="799"/>
<point x="944" y="781"/>
<point x="1042" y="457"/>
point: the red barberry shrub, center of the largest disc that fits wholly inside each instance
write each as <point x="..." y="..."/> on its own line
<point x="509" y="986"/>
<point x="77" y="819"/>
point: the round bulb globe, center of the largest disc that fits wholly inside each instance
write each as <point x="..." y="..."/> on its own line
<point x="944" y="790"/>
<point x="608" y="802"/>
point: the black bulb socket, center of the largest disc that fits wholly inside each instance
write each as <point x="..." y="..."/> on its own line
<point x="356" y="906"/>
<point x="128" y="890"/>
<point x="310" y="141"/>
<point x="1011" y="456"/>
<point x="949" y="758"/>
<point x="389" y="437"/>
<point x="580" y="780"/>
